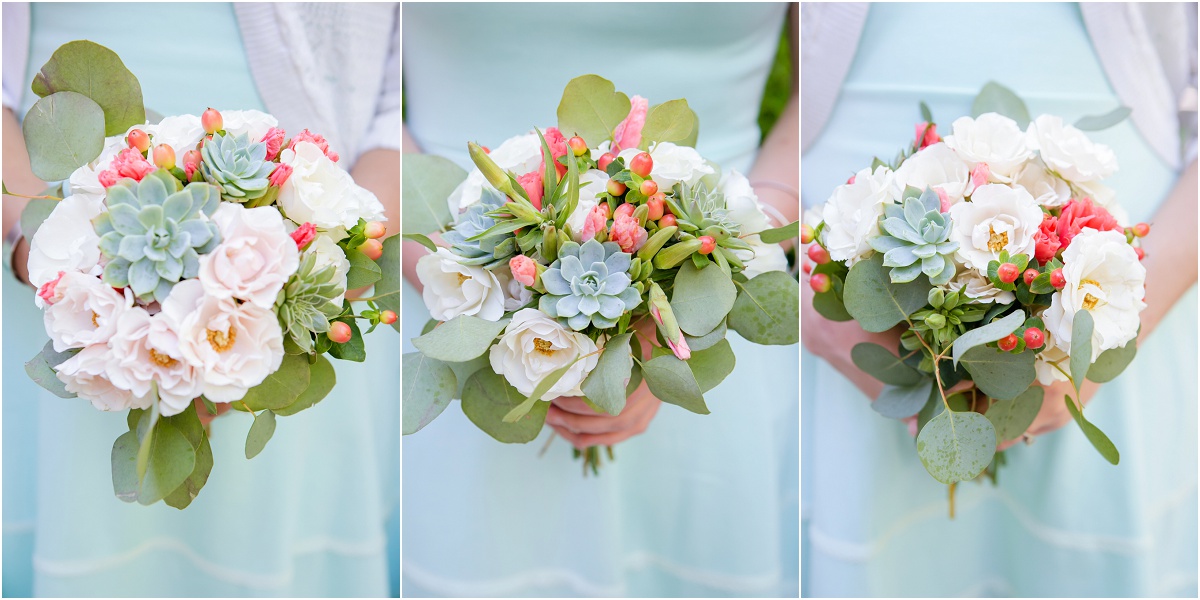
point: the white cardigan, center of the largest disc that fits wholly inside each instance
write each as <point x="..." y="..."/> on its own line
<point x="333" y="68"/>
<point x="1148" y="51"/>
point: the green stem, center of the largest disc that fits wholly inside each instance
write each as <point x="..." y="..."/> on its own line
<point x="375" y="298"/>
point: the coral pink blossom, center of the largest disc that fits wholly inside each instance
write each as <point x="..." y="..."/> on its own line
<point x="523" y="269"/>
<point x="926" y="137"/>
<point x="48" y="291"/>
<point x="943" y="198"/>
<point x="628" y="133"/>
<point x="680" y="346"/>
<point x="129" y="163"/>
<point x="532" y="183"/>
<point x="1080" y="214"/>
<point x="980" y="174"/>
<point x="280" y="175"/>
<point x="594" y="223"/>
<point x="851" y="180"/>
<point x="558" y="149"/>
<point x="1046" y="240"/>
<point x="308" y="136"/>
<point x="304" y="235"/>
<point x="627" y="233"/>
<point x="274" y="141"/>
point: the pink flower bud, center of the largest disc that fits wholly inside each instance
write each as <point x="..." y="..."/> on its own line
<point x="595" y="222"/>
<point x="680" y="348"/>
<point x="944" y="198"/>
<point x="627" y="233"/>
<point x="523" y="269"/>
<point x="304" y="235"/>
<point x="628" y="133"/>
<point x="851" y="180"/>
<point x="274" y="141"/>
<point x="191" y="162"/>
<point x="531" y="182"/>
<point x="926" y="135"/>
<point x="48" y="291"/>
<point x="980" y="174"/>
<point x="558" y="148"/>
<point x="308" y="136"/>
<point x="280" y="175"/>
<point x="128" y="163"/>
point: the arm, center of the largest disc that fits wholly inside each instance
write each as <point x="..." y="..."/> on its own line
<point x="779" y="156"/>
<point x="19" y="179"/>
<point x="412" y="251"/>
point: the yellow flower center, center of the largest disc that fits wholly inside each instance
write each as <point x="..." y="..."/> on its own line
<point x="462" y="278"/>
<point x="162" y="360"/>
<point x="543" y="347"/>
<point x="222" y="340"/>
<point x="1089" y="301"/>
<point x="94" y="317"/>
<point x="996" y="241"/>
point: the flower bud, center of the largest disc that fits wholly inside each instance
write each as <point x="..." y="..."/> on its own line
<point x="164" y="156"/>
<point x="280" y="175"/>
<point x="340" y="332"/>
<point x="669" y="257"/>
<point x="980" y="174"/>
<point x="211" y="121"/>
<point x="936" y="297"/>
<point x="664" y="317"/>
<point x="523" y="269"/>
<point x="138" y="139"/>
<point x="387" y="317"/>
<point x="191" y="162"/>
<point x="375" y="230"/>
<point x="304" y="234"/>
<point x="936" y="321"/>
<point x="490" y="170"/>
<point x="372" y="248"/>
<point x="656" y="242"/>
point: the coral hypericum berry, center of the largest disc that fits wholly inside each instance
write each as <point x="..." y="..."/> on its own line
<point x="340" y="332"/>
<point x="211" y="121"/>
<point x="649" y="188"/>
<point x="372" y="248"/>
<point x="818" y="254"/>
<point x="820" y="283"/>
<point x="1034" y="338"/>
<point x="578" y="146"/>
<point x="164" y="156"/>
<point x="605" y="160"/>
<point x="625" y="209"/>
<point x="138" y="139"/>
<point x="1008" y="272"/>
<point x="1008" y="342"/>
<point x="668" y="220"/>
<point x="1057" y="279"/>
<point x="707" y="244"/>
<point x="387" y="317"/>
<point x="806" y="234"/>
<point x="641" y="164"/>
<point x="615" y="188"/>
<point x="1141" y="230"/>
<point x="655" y="208"/>
<point x="374" y="230"/>
<point x="1029" y="275"/>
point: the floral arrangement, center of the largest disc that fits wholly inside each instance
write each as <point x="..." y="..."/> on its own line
<point x="562" y="241"/>
<point x="1005" y="259"/>
<point x="218" y="277"/>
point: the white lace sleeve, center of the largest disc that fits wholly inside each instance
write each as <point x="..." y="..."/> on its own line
<point x="16" y="53"/>
<point x="385" y="128"/>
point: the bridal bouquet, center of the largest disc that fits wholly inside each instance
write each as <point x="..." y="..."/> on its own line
<point x="197" y="259"/>
<point x="561" y="241"/>
<point x="1006" y="260"/>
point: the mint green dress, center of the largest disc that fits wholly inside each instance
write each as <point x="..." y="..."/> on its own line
<point x="309" y="516"/>
<point x="699" y="505"/>
<point x="1062" y="521"/>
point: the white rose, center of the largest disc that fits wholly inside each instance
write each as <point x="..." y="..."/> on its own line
<point x="992" y="139"/>
<point x="851" y="215"/>
<point x="85" y="181"/>
<point x="84" y="311"/>
<point x="1069" y="152"/>
<point x="252" y="123"/>
<point x="997" y="218"/>
<point x="591" y="184"/>
<point x="741" y="203"/>
<point x="533" y="346"/>
<point x="937" y="166"/>
<point x="519" y="154"/>
<point x="764" y="257"/>
<point x="181" y="133"/>
<point x="320" y="192"/>
<point x="235" y="346"/>
<point x="255" y="258"/>
<point x="1105" y="277"/>
<point x="979" y="288"/>
<point x="145" y="351"/>
<point x="65" y="241"/>
<point x="1046" y="189"/>
<point x="453" y="289"/>
<point x="329" y="253"/>
<point x="1049" y="361"/>
<point x="516" y="294"/>
<point x="673" y="164"/>
<point x="86" y="376"/>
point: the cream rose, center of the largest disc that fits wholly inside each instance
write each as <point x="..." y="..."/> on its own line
<point x="978" y="288"/>
<point x="1104" y="277"/>
<point x="519" y="154"/>
<point x="1046" y="189"/>
<point x="453" y="289"/>
<point x="320" y="192"/>
<point x="255" y="258"/>
<point x="181" y="133"/>
<point x="851" y="215"/>
<point x="992" y="139"/>
<point x="254" y="124"/>
<point x="673" y="164"/>
<point x="235" y="346"/>
<point x="997" y="218"/>
<point x="66" y="241"/>
<point x="86" y="376"/>
<point x="1068" y="151"/>
<point x="84" y="311"/>
<point x="516" y="295"/>
<point x="145" y="351"/>
<point x="533" y="346"/>
<point x="936" y="167"/>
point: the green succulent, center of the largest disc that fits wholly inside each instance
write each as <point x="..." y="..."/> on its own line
<point x="945" y="319"/>
<point x="490" y="251"/>
<point x="306" y="303"/>
<point x="238" y="166"/>
<point x="589" y="284"/>
<point x="916" y="239"/>
<point x="153" y="233"/>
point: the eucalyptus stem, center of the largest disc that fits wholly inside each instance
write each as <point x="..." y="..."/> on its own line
<point x="374" y="298"/>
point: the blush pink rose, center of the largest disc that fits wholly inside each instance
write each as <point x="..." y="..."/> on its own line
<point x="627" y="233"/>
<point x="1046" y="240"/>
<point x="595" y="222"/>
<point x="532" y="183"/>
<point x="280" y="175"/>
<point x="926" y="137"/>
<point x="274" y="141"/>
<point x="943" y="199"/>
<point x="304" y="235"/>
<point x="129" y="163"/>
<point x="980" y="174"/>
<point x="318" y="140"/>
<point x="1080" y="214"/>
<point x="48" y="292"/>
<point x="523" y="269"/>
<point x="628" y="133"/>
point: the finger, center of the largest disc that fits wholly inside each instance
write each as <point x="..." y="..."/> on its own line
<point x="594" y="423"/>
<point x="575" y="439"/>
<point x="573" y="404"/>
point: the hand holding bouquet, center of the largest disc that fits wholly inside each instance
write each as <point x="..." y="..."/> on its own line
<point x="197" y="258"/>
<point x="561" y="241"/>
<point x="1007" y="263"/>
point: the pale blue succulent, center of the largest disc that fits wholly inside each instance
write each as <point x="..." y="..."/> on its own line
<point x="589" y="284"/>
<point x="153" y="233"/>
<point x="916" y="239"/>
<point x="238" y="166"/>
<point x="490" y="251"/>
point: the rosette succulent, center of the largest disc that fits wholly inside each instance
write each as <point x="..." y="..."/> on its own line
<point x="490" y="251"/>
<point x="238" y="166"/>
<point x="589" y="284"/>
<point x="916" y="239"/>
<point x="305" y="305"/>
<point x="153" y="233"/>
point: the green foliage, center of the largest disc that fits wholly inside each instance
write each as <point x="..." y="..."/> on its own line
<point x="321" y="380"/>
<point x="779" y="84"/>
<point x="63" y="132"/>
<point x="878" y="362"/>
<point x="281" y="388"/>
<point x="901" y="402"/>
<point x="387" y="289"/>
<point x="767" y="310"/>
<point x="956" y="446"/>
<point x="712" y="365"/>
<point x="1001" y="375"/>
<point x="1112" y="362"/>
<point x="36" y="212"/>
<point x="260" y="433"/>
<point x="1104" y="121"/>
<point x="986" y="334"/>
<point x="1081" y="347"/>
<point x="428" y="180"/>
<point x="779" y="234"/>
<point x="605" y="385"/>
<point x="673" y="121"/>
<point x="707" y="340"/>
<point x="487" y="398"/>
<point x="831" y="304"/>
<point x="355" y="349"/>
<point x="1011" y="418"/>
<point x="460" y="339"/>
<point x="591" y="108"/>
<point x="40" y="369"/>
<point x="877" y="303"/>
<point x="188" y="423"/>
<point x="363" y="271"/>
<point x="999" y="99"/>
<point x="701" y="298"/>
<point x="429" y="385"/>
<point x="1100" y="441"/>
<point x="421" y="239"/>
<point x="169" y="459"/>
<point x="672" y="381"/>
<point x="98" y="73"/>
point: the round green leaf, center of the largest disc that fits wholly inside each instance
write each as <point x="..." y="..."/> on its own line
<point x="605" y="385"/>
<point x="701" y="298"/>
<point x="876" y="361"/>
<point x="671" y="381"/>
<point x="97" y="72"/>
<point x="1001" y="375"/>
<point x="428" y="181"/>
<point x="36" y="212"/>
<point x="999" y="99"/>
<point x="124" y="466"/>
<point x="172" y="460"/>
<point x="1081" y="346"/>
<point x="63" y="132"/>
<point x="487" y="397"/>
<point x="987" y="334"/>
<point x="1011" y="418"/>
<point x="713" y="365"/>
<point x="321" y="380"/>
<point x="41" y="369"/>
<point x="707" y="340"/>
<point x="671" y="121"/>
<point x="828" y="305"/>
<point x="591" y="108"/>
<point x="363" y="271"/>
<point x="280" y="388"/>
<point x="460" y="339"/>
<point x="1112" y="362"/>
<point x="956" y="446"/>
<point x="429" y="385"/>
<point x="767" y="310"/>
<point x="387" y="289"/>
<point x="260" y="433"/>
<point x="901" y="402"/>
<point x="185" y="493"/>
<point x="877" y="303"/>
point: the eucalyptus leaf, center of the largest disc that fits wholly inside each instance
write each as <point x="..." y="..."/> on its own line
<point x="591" y="108"/>
<point x="878" y="362"/>
<point x="999" y="99"/>
<point x="707" y="340"/>
<point x="1001" y="375"/>
<point x="539" y="391"/>
<point x="421" y="239"/>
<point x="671" y="121"/>
<point x="487" y="397"/>
<point x="672" y="381"/>
<point x="429" y="385"/>
<point x="98" y="73"/>
<point x="828" y="305"/>
<point x="387" y="289"/>
<point x="779" y="234"/>
<point x="901" y="402"/>
<point x="1012" y="418"/>
<point x="40" y="369"/>
<point x="1081" y="347"/>
<point x="877" y="303"/>
<point x="460" y="339"/>
<point x="713" y="365"/>
<point x="321" y="380"/>
<point x="956" y="446"/>
<point x="124" y="467"/>
<point x="605" y="385"/>
<point x="171" y="461"/>
<point x="1112" y="362"/>
<point x="363" y="271"/>
<point x="183" y="495"/>
<point x="356" y="348"/>
<point x="767" y="310"/>
<point x="1100" y="441"/>
<point x="701" y="298"/>
<point x="280" y="388"/>
<point x="1104" y="121"/>
<point x="428" y="182"/>
<point x="987" y="334"/>
<point x="260" y="433"/>
<point x="63" y="132"/>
